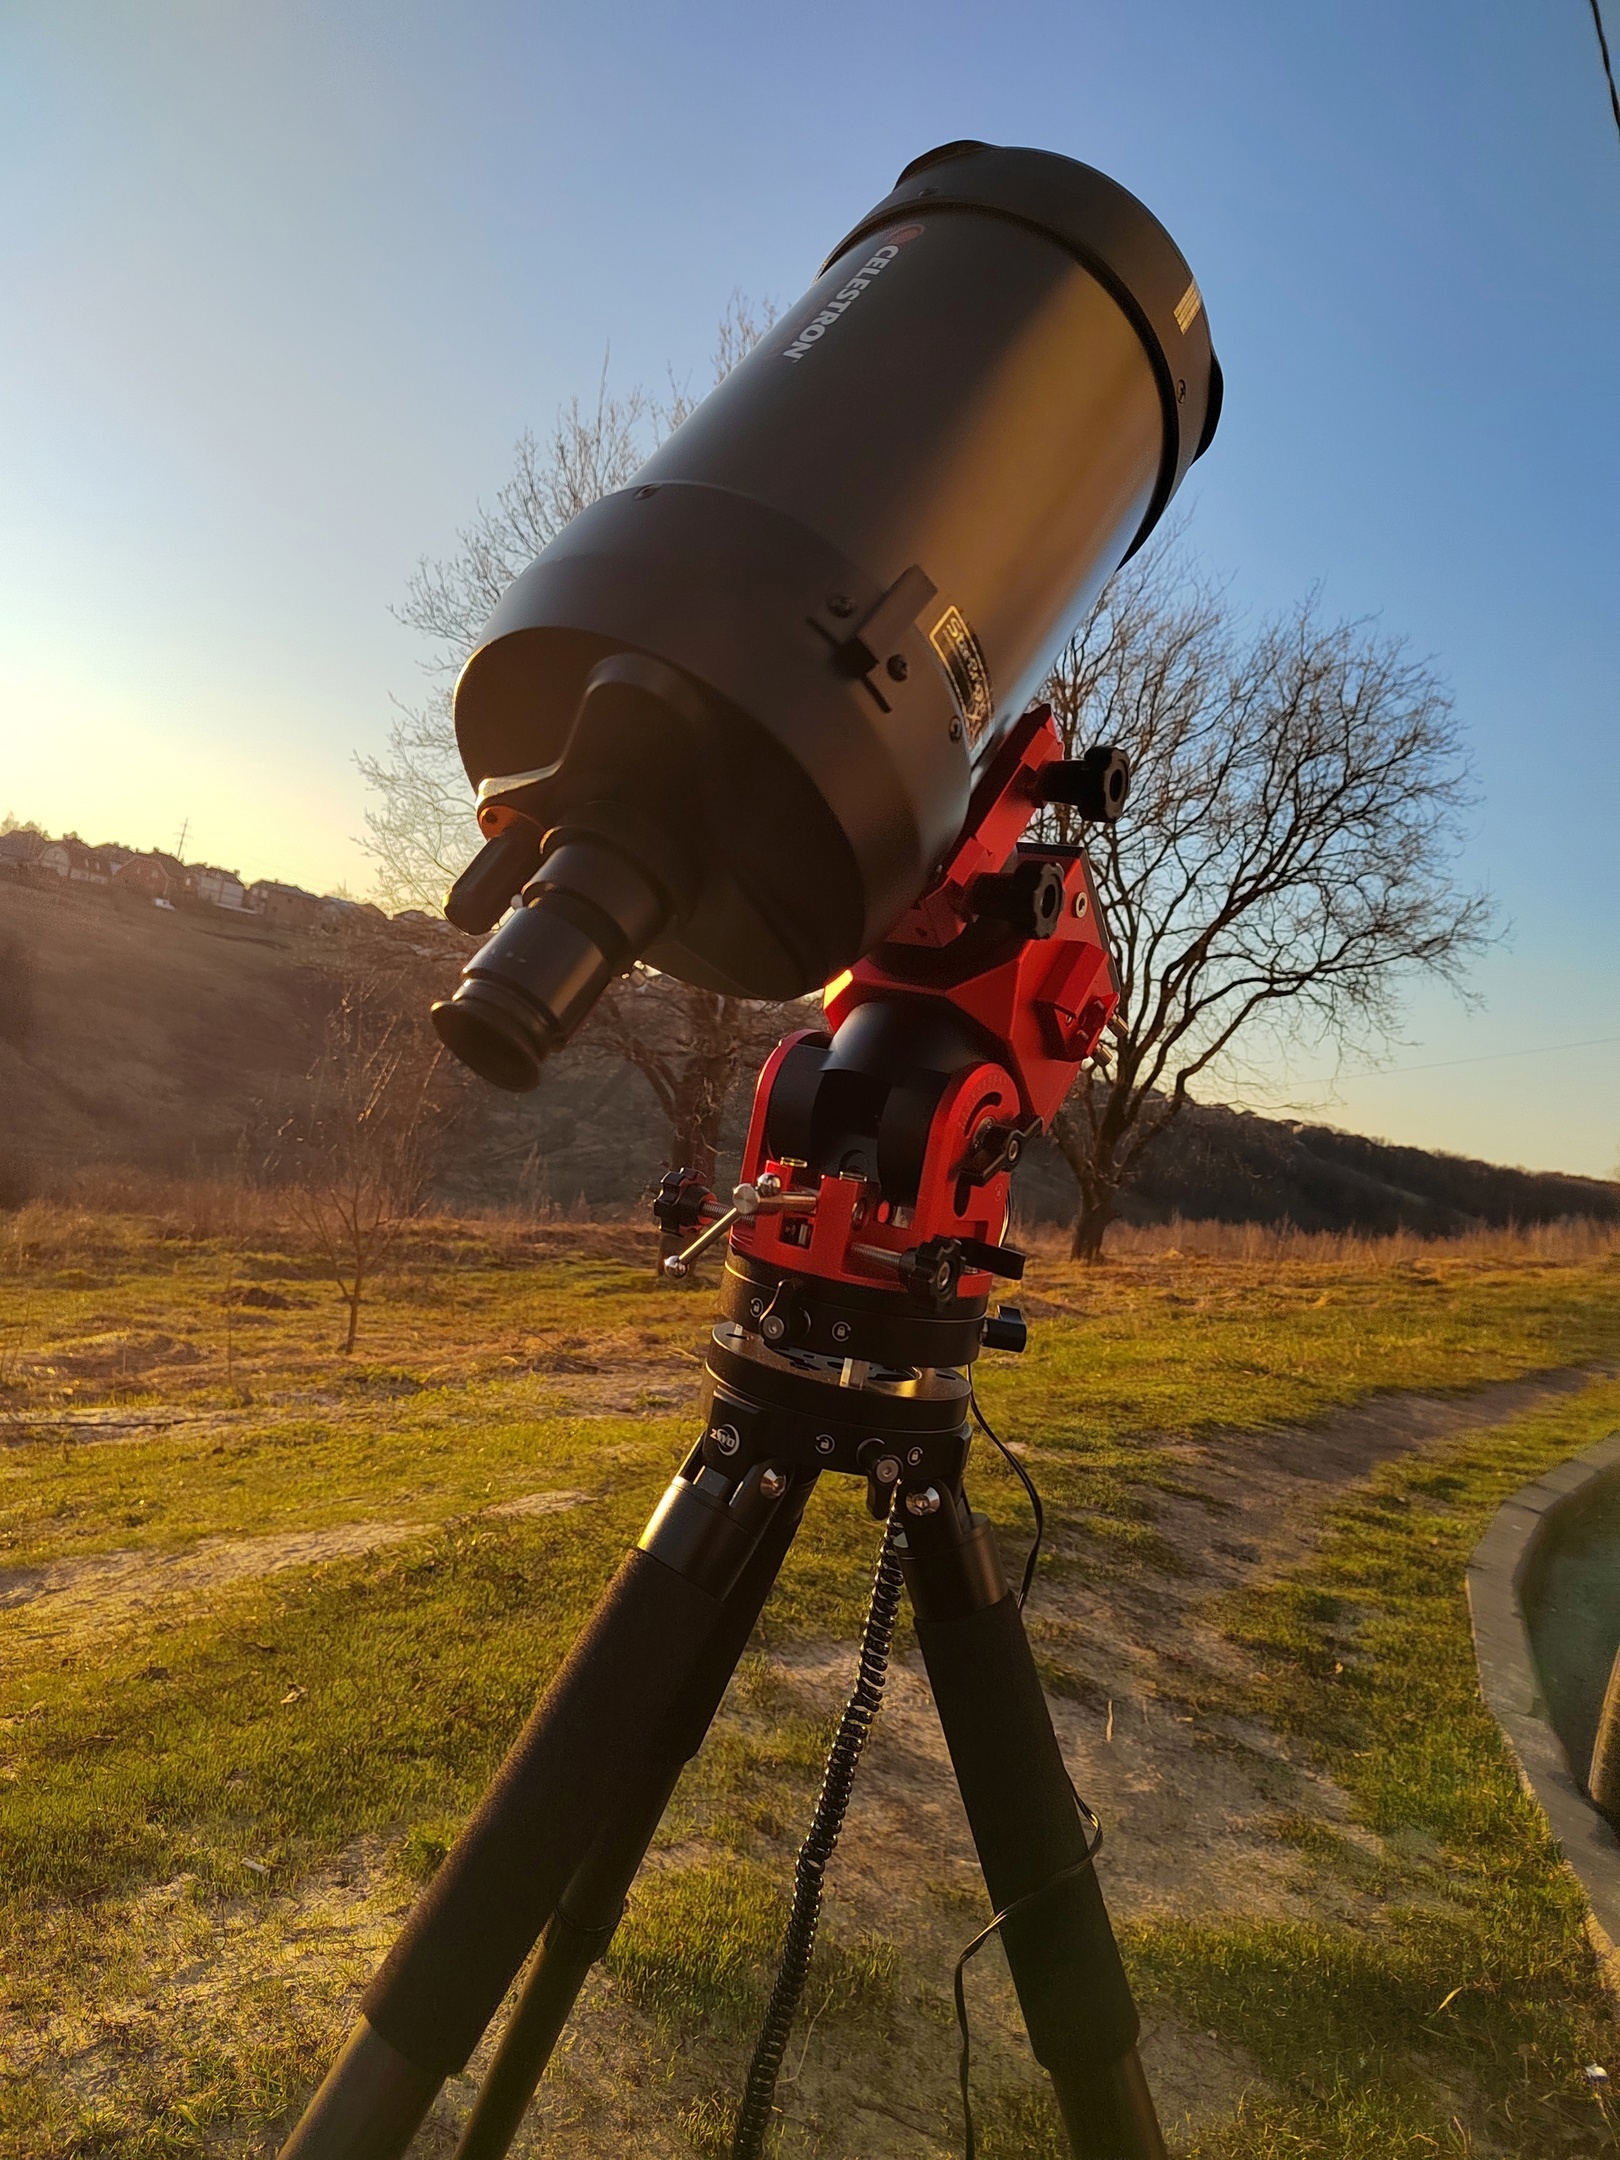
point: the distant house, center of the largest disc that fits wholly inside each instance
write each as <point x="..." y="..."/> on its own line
<point x="284" y="907"/>
<point x="22" y="848"/>
<point x="70" y="858"/>
<point x="340" y="914"/>
<point x="220" y="888"/>
<point x="158" y="876"/>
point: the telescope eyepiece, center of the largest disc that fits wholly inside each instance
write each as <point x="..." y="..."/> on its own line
<point x="587" y="915"/>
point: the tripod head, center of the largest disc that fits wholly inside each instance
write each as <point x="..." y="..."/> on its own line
<point x="733" y="717"/>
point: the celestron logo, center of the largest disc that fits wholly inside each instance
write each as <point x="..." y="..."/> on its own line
<point x="847" y="295"/>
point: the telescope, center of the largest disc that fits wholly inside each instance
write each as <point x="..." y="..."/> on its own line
<point x="766" y="720"/>
<point x="731" y="719"/>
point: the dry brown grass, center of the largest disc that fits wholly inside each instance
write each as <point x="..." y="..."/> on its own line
<point x="229" y="1210"/>
<point x="1573" y="1239"/>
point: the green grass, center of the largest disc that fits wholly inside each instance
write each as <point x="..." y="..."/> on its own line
<point x="145" y="1767"/>
<point x="1457" y="2013"/>
<point x="700" y="1943"/>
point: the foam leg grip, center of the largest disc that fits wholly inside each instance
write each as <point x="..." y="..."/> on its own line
<point x="1065" y="1963"/>
<point x="591" y="1745"/>
<point x="369" y="2107"/>
<point x="587" y="1913"/>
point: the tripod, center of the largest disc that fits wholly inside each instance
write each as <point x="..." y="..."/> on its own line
<point x="863" y="1246"/>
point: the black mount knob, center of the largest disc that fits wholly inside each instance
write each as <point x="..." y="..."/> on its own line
<point x="1095" y="786"/>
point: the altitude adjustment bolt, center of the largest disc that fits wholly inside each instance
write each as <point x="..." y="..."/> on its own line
<point x="773" y="1483"/>
<point x="925" y="1502"/>
<point x="1029" y="899"/>
<point x="1095" y="785"/>
<point x="773" y="1327"/>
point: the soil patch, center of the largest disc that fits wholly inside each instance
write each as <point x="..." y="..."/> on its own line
<point x="70" y="1597"/>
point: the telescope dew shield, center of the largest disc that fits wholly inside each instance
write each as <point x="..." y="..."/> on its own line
<point x="766" y="674"/>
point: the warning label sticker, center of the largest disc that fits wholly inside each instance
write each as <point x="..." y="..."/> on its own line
<point x="964" y="662"/>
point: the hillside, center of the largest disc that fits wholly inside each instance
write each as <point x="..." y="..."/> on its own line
<point x="165" y="1039"/>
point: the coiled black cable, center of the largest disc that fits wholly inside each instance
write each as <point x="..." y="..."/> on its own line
<point x="799" y="1941"/>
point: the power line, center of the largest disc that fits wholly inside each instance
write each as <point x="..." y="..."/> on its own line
<point x="1489" y="1057"/>
<point x="1608" y="64"/>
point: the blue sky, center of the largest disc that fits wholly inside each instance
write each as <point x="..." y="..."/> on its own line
<point x="283" y="285"/>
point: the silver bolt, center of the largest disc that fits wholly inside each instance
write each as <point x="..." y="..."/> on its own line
<point x="914" y="1456"/>
<point x="825" y="1443"/>
<point x="773" y="1327"/>
<point x="887" y="1469"/>
<point x="726" y="1439"/>
<point x="925" y="1502"/>
<point x="773" y="1483"/>
<point x="841" y="1331"/>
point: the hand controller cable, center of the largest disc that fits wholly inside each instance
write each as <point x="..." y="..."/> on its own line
<point x="838" y="1778"/>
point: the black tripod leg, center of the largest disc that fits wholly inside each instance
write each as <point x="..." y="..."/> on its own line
<point x="597" y="1744"/>
<point x="588" y="1911"/>
<point x="1065" y="1964"/>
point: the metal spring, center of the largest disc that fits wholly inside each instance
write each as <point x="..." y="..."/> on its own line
<point x="838" y="1777"/>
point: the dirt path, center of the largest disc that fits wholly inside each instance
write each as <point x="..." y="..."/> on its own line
<point x="1189" y="1805"/>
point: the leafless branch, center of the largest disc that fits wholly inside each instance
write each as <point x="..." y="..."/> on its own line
<point x="1287" y="855"/>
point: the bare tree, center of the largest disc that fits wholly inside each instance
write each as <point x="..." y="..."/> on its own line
<point x="691" y="1046"/>
<point x="357" y="1148"/>
<point x="420" y="832"/>
<point x="1286" y="858"/>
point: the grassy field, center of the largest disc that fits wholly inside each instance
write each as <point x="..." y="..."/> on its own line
<point x="270" y="1617"/>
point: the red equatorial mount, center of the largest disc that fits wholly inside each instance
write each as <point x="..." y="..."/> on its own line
<point x="1007" y="949"/>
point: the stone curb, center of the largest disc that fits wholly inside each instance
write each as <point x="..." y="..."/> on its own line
<point x="1511" y="1686"/>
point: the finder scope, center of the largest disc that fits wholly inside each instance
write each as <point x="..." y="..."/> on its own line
<point x="730" y="719"/>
